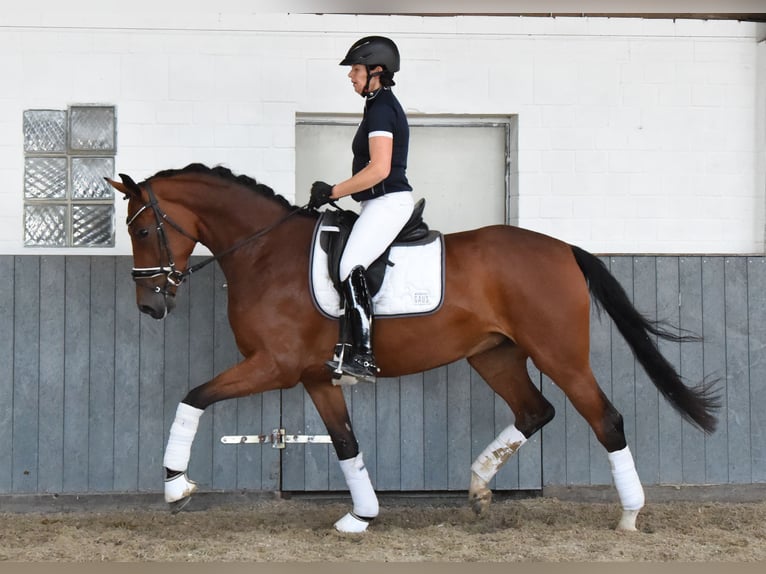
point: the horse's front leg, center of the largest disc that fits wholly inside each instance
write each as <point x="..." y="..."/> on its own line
<point x="331" y="406"/>
<point x="178" y="487"/>
<point x="256" y="374"/>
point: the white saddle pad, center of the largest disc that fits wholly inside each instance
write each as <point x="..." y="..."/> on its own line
<point x="414" y="285"/>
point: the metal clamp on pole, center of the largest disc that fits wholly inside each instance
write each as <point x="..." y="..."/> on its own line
<point x="278" y="438"/>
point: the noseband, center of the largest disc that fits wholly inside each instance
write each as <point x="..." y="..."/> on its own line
<point x="173" y="276"/>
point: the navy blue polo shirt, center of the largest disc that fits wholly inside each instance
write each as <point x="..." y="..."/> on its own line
<point x="384" y="116"/>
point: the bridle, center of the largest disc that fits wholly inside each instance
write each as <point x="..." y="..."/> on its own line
<point x="173" y="276"/>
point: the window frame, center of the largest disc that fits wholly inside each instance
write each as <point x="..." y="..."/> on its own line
<point x="71" y="154"/>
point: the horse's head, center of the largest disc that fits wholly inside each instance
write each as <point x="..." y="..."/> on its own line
<point x="161" y="246"/>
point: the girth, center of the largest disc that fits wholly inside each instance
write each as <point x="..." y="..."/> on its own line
<point x="414" y="231"/>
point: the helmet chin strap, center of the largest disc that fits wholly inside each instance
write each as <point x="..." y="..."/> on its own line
<point x="370" y="75"/>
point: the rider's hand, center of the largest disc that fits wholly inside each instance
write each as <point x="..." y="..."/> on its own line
<point x="320" y="194"/>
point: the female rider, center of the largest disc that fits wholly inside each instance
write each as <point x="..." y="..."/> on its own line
<point x="379" y="183"/>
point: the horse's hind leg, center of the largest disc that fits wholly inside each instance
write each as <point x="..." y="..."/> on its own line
<point x="586" y="396"/>
<point x="504" y="368"/>
<point x="331" y="406"/>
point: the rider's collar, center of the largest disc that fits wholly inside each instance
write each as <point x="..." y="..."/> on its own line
<point x="373" y="95"/>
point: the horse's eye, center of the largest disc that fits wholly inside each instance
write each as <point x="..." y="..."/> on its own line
<point x="142" y="233"/>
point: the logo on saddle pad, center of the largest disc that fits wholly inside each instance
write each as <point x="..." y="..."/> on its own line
<point x="408" y="279"/>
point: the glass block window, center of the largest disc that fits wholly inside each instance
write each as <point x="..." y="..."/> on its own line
<point x="67" y="154"/>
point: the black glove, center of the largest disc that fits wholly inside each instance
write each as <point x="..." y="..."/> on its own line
<point x="320" y="194"/>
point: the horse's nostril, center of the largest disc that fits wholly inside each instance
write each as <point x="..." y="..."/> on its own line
<point x="148" y="309"/>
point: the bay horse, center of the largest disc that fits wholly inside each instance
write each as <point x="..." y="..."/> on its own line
<point x="510" y="295"/>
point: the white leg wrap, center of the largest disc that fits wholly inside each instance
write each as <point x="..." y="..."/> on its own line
<point x="182" y="433"/>
<point x="497" y="453"/>
<point x="358" y="481"/>
<point x="626" y="479"/>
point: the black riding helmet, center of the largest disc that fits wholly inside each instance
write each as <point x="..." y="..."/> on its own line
<point x="373" y="51"/>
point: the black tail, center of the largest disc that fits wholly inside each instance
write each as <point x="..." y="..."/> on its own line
<point x="697" y="405"/>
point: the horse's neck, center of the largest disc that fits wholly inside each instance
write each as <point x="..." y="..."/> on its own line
<point x="233" y="216"/>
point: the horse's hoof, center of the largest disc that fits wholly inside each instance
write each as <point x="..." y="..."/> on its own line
<point x="628" y="521"/>
<point x="480" y="500"/>
<point x="352" y="524"/>
<point x="178" y="505"/>
<point x="179" y="487"/>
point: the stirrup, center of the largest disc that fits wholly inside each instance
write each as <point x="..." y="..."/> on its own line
<point x="336" y="364"/>
<point x="339" y="378"/>
<point x="362" y="367"/>
<point x="359" y="368"/>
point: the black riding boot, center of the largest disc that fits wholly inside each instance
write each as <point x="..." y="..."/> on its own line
<point x="356" y="321"/>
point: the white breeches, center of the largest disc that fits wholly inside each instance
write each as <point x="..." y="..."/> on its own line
<point x="380" y="221"/>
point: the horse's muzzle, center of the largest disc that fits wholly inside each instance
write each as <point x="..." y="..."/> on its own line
<point x="155" y="304"/>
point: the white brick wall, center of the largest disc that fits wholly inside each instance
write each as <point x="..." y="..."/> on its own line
<point x="640" y="136"/>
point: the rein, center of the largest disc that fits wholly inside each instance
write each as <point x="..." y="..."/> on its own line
<point x="173" y="276"/>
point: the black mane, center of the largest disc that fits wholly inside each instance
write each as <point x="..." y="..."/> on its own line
<point x="226" y="173"/>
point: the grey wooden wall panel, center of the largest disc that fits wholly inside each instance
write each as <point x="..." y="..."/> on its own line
<point x="737" y="372"/>
<point x="692" y="363"/>
<point x="292" y="466"/>
<point x="101" y="381"/>
<point x="88" y="372"/>
<point x="224" y="457"/>
<point x="435" y="432"/>
<point x="52" y="352"/>
<point x="225" y="463"/>
<point x="669" y="427"/>
<point x="554" y="437"/>
<point x="26" y="367"/>
<point x="526" y="471"/>
<point x="270" y="412"/>
<point x="7" y="384"/>
<point x="316" y="458"/>
<point x="458" y="425"/>
<point x="77" y="374"/>
<point x="714" y="359"/>
<point x="388" y="444"/>
<point x="200" y="292"/>
<point x="412" y="433"/>
<point x="756" y="299"/>
<point x="126" y="380"/>
<point x="151" y="436"/>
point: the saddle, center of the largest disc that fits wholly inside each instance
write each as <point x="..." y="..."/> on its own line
<point x="414" y="231"/>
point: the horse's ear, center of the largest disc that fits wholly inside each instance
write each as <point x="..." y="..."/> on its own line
<point x="128" y="187"/>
